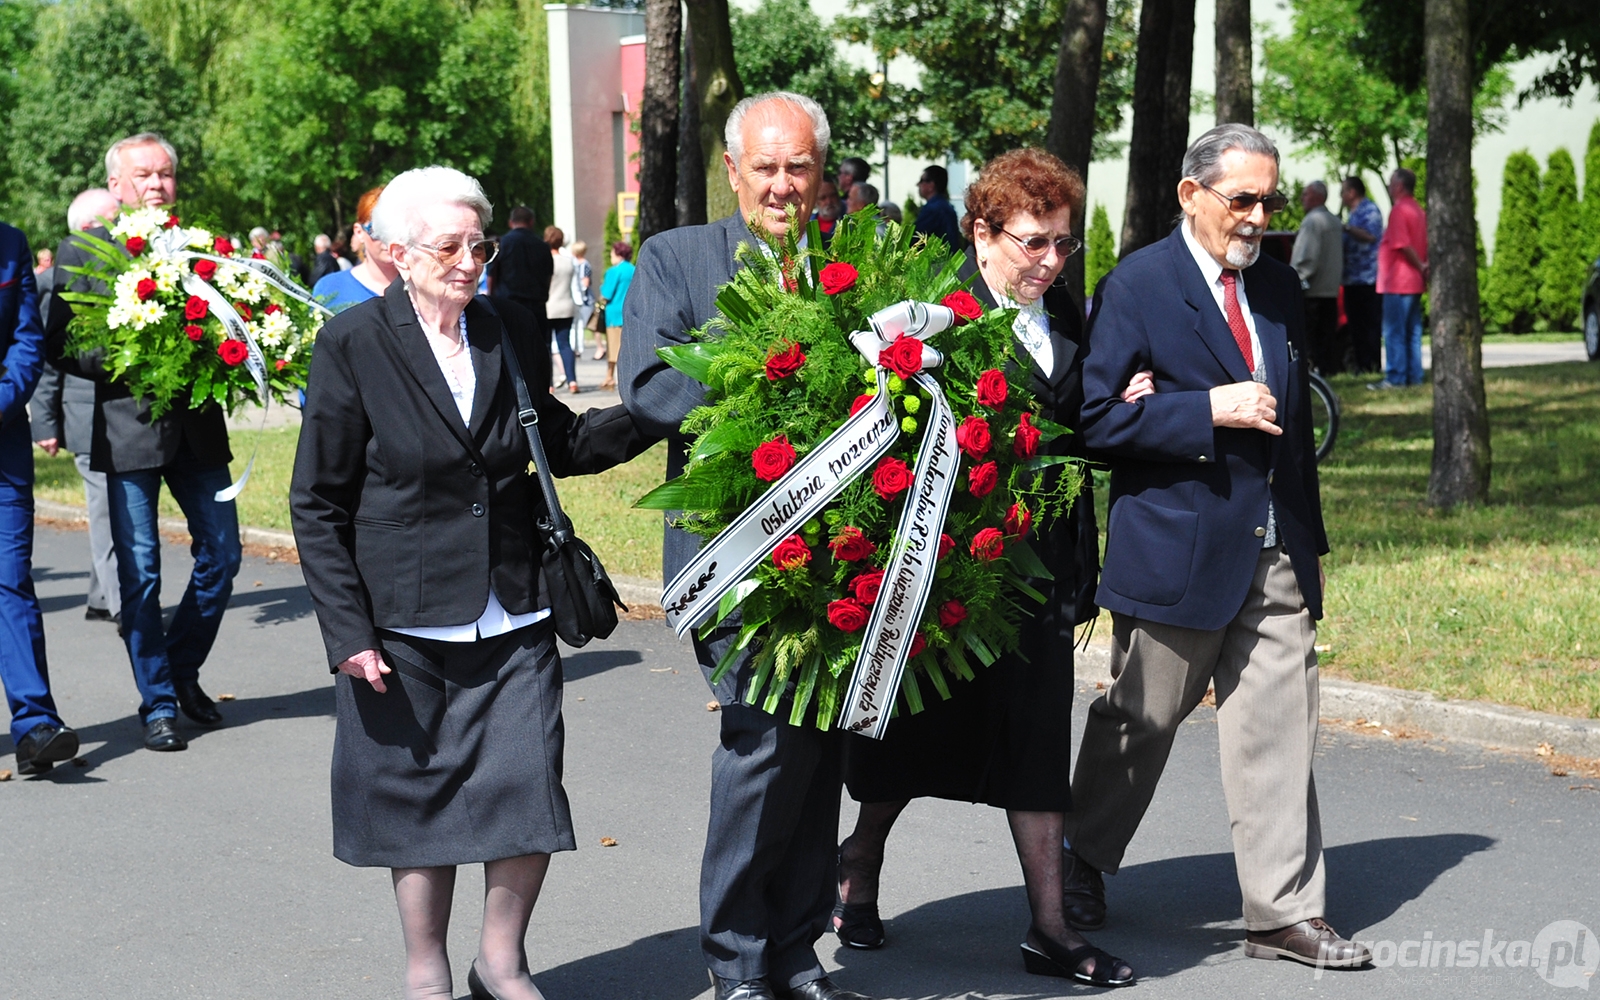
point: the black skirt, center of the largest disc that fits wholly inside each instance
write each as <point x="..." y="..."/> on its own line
<point x="1003" y="739"/>
<point x="459" y="761"/>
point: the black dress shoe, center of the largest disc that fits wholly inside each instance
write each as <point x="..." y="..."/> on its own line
<point x="96" y="614"/>
<point x="45" y="746"/>
<point x="475" y="985"/>
<point x="1083" y="893"/>
<point x="162" y="735"/>
<point x="197" y="705"/>
<point x="823" y="989"/>
<point x="743" y="989"/>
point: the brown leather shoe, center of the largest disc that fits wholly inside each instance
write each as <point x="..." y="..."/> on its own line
<point x="1083" y="893"/>
<point x="1312" y="942"/>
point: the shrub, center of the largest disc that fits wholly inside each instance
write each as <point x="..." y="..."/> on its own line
<point x="1100" y="251"/>
<point x="1561" y="263"/>
<point x="1513" y="301"/>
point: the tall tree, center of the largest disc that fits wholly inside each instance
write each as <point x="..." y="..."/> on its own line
<point x="1562" y="267"/>
<point x="691" y="162"/>
<point x="1160" y="121"/>
<point x="658" y="118"/>
<point x="1461" y="454"/>
<point x="1072" y="119"/>
<point x="1512" y="291"/>
<point x="1235" y="92"/>
<point x="718" y="88"/>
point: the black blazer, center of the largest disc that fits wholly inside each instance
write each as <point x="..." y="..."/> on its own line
<point x="125" y="438"/>
<point x="1070" y="549"/>
<point x="1187" y="499"/>
<point x="402" y="515"/>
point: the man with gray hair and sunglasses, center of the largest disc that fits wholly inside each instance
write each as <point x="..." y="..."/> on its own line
<point x="1195" y="391"/>
<point x="767" y="880"/>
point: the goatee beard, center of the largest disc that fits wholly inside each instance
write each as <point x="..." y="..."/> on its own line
<point x="1242" y="254"/>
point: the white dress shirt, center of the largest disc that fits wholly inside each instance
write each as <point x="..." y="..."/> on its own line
<point x="1031" y="326"/>
<point x="463" y="383"/>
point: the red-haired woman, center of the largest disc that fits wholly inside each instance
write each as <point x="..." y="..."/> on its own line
<point x="1004" y="739"/>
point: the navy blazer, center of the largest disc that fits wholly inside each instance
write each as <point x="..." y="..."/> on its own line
<point x="1187" y="499"/>
<point x="21" y="336"/>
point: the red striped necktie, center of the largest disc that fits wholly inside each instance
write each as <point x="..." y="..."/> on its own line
<point x="1230" y="305"/>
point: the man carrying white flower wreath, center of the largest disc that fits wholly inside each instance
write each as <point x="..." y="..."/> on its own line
<point x="185" y="447"/>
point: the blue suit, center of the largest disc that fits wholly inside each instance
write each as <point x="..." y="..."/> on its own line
<point x="22" y="661"/>
<point x="1187" y="498"/>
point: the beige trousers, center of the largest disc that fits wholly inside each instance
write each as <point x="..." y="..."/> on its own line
<point x="1264" y="667"/>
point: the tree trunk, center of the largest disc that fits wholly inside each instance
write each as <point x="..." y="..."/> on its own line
<point x="1160" y="121"/>
<point x="1235" y="93"/>
<point x="1460" y="413"/>
<point x="719" y="89"/>
<point x="691" y="168"/>
<point x="1083" y="33"/>
<point x="658" y="119"/>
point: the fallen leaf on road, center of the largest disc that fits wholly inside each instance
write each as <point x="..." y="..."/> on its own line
<point x="5" y="775"/>
<point x="1099" y="685"/>
<point x="659" y="670"/>
<point x="712" y="706"/>
<point x="258" y="583"/>
<point x="1323" y="648"/>
<point x="608" y="842"/>
<point x="1411" y="818"/>
<point x="1545" y="750"/>
<point x="226" y="697"/>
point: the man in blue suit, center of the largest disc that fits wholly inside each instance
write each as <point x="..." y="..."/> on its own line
<point x="36" y="728"/>
<point x="1195" y="390"/>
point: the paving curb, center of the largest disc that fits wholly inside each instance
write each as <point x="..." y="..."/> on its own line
<point x="1473" y="721"/>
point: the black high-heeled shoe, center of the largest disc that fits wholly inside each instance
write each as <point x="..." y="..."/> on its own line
<point x="857" y="924"/>
<point x="1055" y="959"/>
<point x="475" y="985"/>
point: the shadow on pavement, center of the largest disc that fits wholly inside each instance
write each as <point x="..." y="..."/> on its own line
<point x="124" y="736"/>
<point x="275" y="606"/>
<point x="43" y="573"/>
<point x="576" y="666"/>
<point x="1369" y="881"/>
<point x="665" y="966"/>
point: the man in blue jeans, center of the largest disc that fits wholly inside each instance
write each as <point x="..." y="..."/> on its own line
<point x="1402" y="278"/>
<point x="186" y="448"/>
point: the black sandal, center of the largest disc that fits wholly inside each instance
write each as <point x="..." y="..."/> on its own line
<point x="857" y="924"/>
<point x="1067" y="963"/>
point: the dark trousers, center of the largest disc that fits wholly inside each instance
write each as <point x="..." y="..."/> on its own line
<point x="23" y="669"/>
<point x="1327" y="347"/>
<point x="561" y="331"/>
<point x="1363" y="307"/>
<point x="768" y="877"/>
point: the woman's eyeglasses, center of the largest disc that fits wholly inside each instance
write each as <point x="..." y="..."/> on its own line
<point x="449" y="252"/>
<point x="1036" y="246"/>
<point x="1241" y="204"/>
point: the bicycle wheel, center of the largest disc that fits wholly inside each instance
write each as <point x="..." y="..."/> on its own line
<point x="1324" y="415"/>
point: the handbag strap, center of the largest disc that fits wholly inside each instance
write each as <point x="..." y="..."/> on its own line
<point x="528" y="417"/>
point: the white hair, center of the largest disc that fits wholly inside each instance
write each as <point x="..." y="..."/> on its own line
<point x="89" y="207"/>
<point x="1203" y="159"/>
<point x="114" y="154"/>
<point x="733" y="133"/>
<point x="394" y="217"/>
<point x="321" y="242"/>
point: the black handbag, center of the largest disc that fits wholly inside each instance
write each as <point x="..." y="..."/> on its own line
<point x="583" y="600"/>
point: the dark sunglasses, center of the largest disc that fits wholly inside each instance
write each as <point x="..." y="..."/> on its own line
<point x="1036" y="246"/>
<point x="1241" y="204"/>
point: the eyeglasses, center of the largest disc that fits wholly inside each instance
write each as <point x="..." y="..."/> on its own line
<point x="1241" y="204"/>
<point x="366" y="227"/>
<point x="1036" y="246"/>
<point x="449" y="252"/>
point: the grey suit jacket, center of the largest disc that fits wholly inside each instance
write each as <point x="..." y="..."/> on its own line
<point x="674" y="291"/>
<point x="63" y="408"/>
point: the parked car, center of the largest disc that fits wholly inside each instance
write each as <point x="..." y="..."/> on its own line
<point x="1591" y="312"/>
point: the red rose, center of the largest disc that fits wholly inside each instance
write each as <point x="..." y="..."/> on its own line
<point x="903" y="357"/>
<point x="193" y="332"/>
<point x="244" y="311"/>
<point x="1018" y="520"/>
<point x="195" y="308"/>
<point x="145" y="289"/>
<point x="946" y="545"/>
<point x="972" y="437"/>
<point x="992" y="389"/>
<point x="919" y="642"/>
<point x="838" y="277"/>
<point x="773" y="458"/>
<point x="232" y="352"/>
<point x="791" y="553"/>
<point x="860" y="403"/>
<point x="951" y="614"/>
<point x="847" y="615"/>
<point x="135" y="245"/>
<point x="785" y="363"/>
<point x="982" y="479"/>
<point x="1026" y="441"/>
<point x="867" y="585"/>
<point x="988" y="545"/>
<point x="171" y="223"/>
<point x="850" y="545"/>
<point x="891" y="478"/>
<point x="257" y="255"/>
<point x="205" y="270"/>
<point x="222" y="246"/>
<point x="280" y="364"/>
<point x="963" y="305"/>
<point x="273" y="308"/>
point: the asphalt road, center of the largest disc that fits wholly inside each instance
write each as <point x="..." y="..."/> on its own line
<point x="208" y="874"/>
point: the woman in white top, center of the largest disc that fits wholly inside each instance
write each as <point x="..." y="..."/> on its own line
<point x="559" y="307"/>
